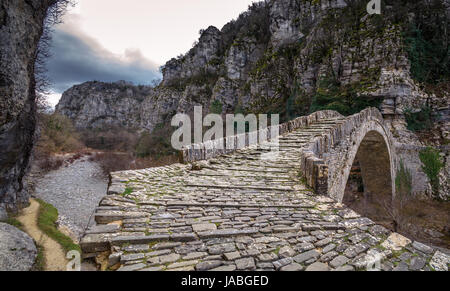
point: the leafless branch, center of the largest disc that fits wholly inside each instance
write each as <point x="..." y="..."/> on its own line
<point x="54" y="16"/>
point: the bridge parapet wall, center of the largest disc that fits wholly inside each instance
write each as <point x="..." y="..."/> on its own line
<point x="218" y="147"/>
<point x="325" y="161"/>
<point x="329" y="156"/>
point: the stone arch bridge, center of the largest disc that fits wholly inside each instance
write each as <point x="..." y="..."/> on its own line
<point x="232" y="210"/>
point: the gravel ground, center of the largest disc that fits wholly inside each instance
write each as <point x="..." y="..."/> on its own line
<point x="75" y="190"/>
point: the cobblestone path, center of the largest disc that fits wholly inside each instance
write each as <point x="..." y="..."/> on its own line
<point x="241" y="212"/>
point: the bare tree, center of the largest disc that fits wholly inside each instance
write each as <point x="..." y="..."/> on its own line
<point x="397" y="205"/>
<point x="156" y="82"/>
<point x="54" y="16"/>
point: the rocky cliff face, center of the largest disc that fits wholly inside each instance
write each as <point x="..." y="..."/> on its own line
<point x="21" y="26"/>
<point x="99" y="104"/>
<point x="286" y="56"/>
<point x="104" y="105"/>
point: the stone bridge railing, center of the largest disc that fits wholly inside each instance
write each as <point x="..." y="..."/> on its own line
<point x="316" y="160"/>
<point x="327" y="176"/>
<point x="218" y="147"/>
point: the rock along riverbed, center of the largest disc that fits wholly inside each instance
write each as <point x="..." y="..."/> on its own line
<point x="75" y="190"/>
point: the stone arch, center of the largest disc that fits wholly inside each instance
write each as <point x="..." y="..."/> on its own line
<point x="370" y="144"/>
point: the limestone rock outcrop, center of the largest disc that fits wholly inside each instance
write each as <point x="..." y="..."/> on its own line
<point x="21" y="26"/>
<point x="274" y="57"/>
<point x="17" y="249"/>
<point x="98" y="104"/>
<point x="120" y="104"/>
<point x="3" y="214"/>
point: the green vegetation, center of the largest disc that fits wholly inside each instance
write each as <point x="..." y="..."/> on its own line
<point x="290" y="100"/>
<point x="424" y="27"/>
<point x="39" y="264"/>
<point x="216" y="107"/>
<point x="428" y="54"/>
<point x="238" y="109"/>
<point x="278" y="70"/>
<point x="420" y="25"/>
<point x="432" y="165"/>
<point x="420" y="120"/>
<point x="403" y="181"/>
<point x="128" y="191"/>
<point x="297" y="103"/>
<point x="277" y="251"/>
<point x="215" y="62"/>
<point x="345" y="99"/>
<point x="48" y="216"/>
<point x="254" y="23"/>
<point x="202" y="78"/>
<point x="14" y="222"/>
<point x="422" y="54"/>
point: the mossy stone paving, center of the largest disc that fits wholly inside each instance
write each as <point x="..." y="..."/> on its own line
<point x="240" y="212"/>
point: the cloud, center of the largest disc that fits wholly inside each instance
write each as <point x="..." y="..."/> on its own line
<point x="77" y="58"/>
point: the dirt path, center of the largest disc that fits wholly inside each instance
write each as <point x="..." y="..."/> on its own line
<point x="54" y="255"/>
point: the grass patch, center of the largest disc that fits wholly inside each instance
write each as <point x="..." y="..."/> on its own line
<point x="277" y="251"/>
<point x="397" y="254"/>
<point x="152" y="244"/>
<point x="39" y="264"/>
<point x="47" y="223"/>
<point x="14" y="222"/>
<point x="380" y="247"/>
<point x="128" y="191"/>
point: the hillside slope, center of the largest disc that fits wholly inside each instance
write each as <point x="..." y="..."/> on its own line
<point x="285" y="56"/>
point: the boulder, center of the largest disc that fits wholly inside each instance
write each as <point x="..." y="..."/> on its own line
<point x="17" y="249"/>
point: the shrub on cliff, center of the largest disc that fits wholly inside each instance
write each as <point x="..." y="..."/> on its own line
<point x="253" y="23"/>
<point x="431" y="165"/>
<point x="427" y="44"/>
<point x="345" y="99"/>
<point x="216" y="107"/>
<point x="420" y="120"/>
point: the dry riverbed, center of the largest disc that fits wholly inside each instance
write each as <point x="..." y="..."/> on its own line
<point x="75" y="190"/>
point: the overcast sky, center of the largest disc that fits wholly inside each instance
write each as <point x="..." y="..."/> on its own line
<point x="111" y="40"/>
